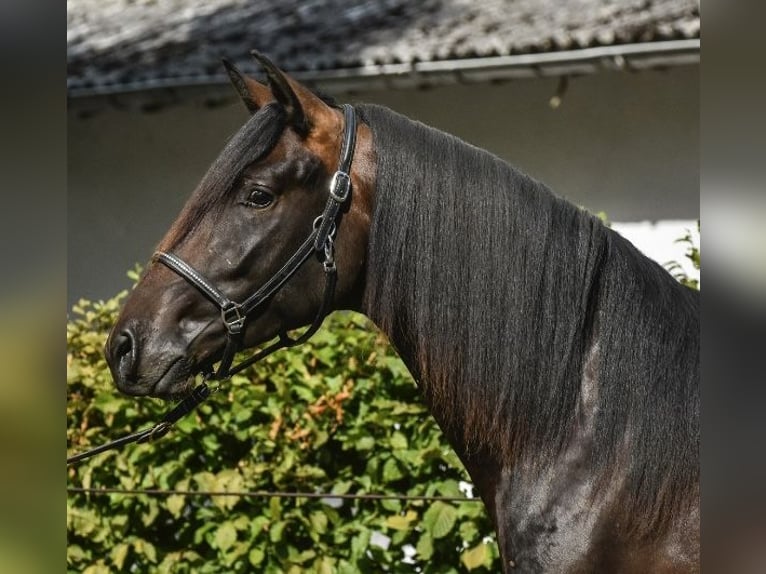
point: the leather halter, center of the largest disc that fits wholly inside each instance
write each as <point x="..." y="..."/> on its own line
<point x="320" y="241"/>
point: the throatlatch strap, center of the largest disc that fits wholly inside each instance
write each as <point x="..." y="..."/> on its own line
<point x="280" y="277"/>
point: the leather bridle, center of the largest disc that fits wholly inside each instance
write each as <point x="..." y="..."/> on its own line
<point x="321" y="241"/>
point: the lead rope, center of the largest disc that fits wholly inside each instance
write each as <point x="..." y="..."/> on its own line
<point x="198" y="395"/>
<point x="202" y="392"/>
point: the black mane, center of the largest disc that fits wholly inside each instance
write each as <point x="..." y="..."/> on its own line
<point x="499" y="288"/>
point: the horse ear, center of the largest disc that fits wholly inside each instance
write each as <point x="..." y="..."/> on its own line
<point x="254" y="94"/>
<point x="297" y="100"/>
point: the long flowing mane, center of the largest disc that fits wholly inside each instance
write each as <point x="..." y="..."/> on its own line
<point x="498" y="289"/>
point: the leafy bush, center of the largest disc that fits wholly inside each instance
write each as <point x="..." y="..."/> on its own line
<point x="339" y="414"/>
<point x="693" y="255"/>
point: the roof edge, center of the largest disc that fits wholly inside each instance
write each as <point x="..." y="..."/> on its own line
<point x="620" y="57"/>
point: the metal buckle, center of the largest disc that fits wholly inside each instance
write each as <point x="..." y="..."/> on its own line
<point x="232" y="318"/>
<point x="340" y="186"/>
<point x="329" y="256"/>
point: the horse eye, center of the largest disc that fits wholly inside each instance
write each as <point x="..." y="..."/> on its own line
<point x="259" y="198"/>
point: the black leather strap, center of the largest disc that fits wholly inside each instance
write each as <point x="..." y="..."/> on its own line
<point x="284" y="340"/>
<point x="194" y="277"/>
<point x="187" y="405"/>
<point x="280" y="277"/>
<point x="340" y="185"/>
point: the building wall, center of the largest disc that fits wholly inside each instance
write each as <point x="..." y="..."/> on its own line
<point x="625" y="144"/>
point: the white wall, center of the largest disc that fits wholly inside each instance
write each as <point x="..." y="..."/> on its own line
<point x="626" y="144"/>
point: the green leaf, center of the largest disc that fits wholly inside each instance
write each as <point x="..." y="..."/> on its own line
<point x="146" y="549"/>
<point x="256" y="556"/>
<point x="304" y="556"/>
<point x="118" y="554"/>
<point x="398" y="441"/>
<point x="391" y="470"/>
<point x="359" y="544"/>
<point x="324" y="565"/>
<point x="365" y="443"/>
<point x="425" y="547"/>
<point x="449" y="488"/>
<point x="475" y="557"/>
<point x="98" y="568"/>
<point x="341" y="487"/>
<point x="243" y="415"/>
<point x="275" y="531"/>
<point x="258" y="526"/>
<point x="108" y="403"/>
<point x="225" y="536"/>
<point x="439" y="519"/>
<point x="318" y="521"/>
<point x="200" y="533"/>
<point x="391" y="504"/>
<point x="399" y="522"/>
<point x="321" y="438"/>
<point x="148" y="517"/>
<point x="275" y="507"/>
<point x="175" y="504"/>
<point x="75" y="553"/>
<point x="468" y="530"/>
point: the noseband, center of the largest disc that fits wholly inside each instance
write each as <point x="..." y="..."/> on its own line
<point x="320" y="241"/>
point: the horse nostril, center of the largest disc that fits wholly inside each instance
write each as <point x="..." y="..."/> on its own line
<point x="124" y="353"/>
<point x="124" y="343"/>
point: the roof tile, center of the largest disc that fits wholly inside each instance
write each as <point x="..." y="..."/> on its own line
<point x="119" y="41"/>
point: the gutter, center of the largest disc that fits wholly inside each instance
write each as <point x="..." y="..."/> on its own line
<point x="621" y="57"/>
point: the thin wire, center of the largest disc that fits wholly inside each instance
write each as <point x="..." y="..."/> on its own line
<point x="265" y="494"/>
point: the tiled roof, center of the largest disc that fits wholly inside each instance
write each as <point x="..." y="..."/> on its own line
<point x="120" y="42"/>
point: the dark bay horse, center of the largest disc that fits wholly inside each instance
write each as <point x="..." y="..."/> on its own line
<point x="560" y="362"/>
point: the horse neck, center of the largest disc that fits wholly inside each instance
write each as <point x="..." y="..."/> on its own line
<point x="491" y="290"/>
<point x="475" y="272"/>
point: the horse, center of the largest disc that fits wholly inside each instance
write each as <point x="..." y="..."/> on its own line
<point x="561" y="363"/>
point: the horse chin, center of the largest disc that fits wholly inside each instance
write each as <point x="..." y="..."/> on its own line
<point x="175" y="382"/>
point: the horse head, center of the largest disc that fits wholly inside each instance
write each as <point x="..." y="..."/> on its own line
<point x="250" y="255"/>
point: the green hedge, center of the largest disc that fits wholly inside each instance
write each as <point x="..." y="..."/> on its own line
<point x="340" y="414"/>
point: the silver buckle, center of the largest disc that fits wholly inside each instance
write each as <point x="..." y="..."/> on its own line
<point x="340" y="186"/>
<point x="329" y="256"/>
<point x="233" y="319"/>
